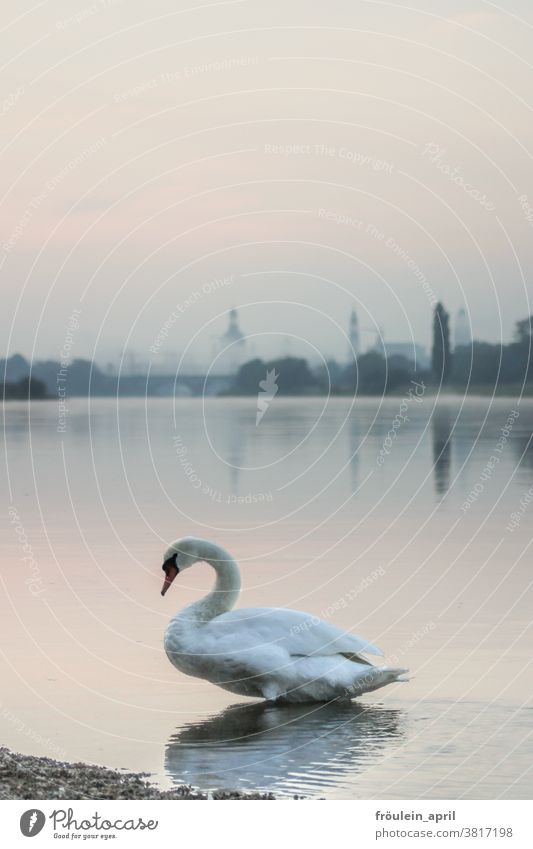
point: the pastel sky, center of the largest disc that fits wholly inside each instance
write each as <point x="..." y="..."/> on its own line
<point x="312" y="157"/>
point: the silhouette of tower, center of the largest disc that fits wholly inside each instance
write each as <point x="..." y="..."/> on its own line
<point x="232" y="344"/>
<point x="353" y="335"/>
<point x="462" y="334"/>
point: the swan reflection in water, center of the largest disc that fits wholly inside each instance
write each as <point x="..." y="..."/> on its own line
<point x="286" y="749"/>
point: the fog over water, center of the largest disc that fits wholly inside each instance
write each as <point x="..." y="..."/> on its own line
<point x="316" y="157"/>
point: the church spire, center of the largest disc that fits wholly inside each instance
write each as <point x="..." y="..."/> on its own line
<point x="353" y="336"/>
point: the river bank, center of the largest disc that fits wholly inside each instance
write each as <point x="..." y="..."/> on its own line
<point x="27" y="777"/>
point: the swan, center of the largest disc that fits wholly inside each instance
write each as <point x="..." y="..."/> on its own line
<point x="273" y="653"/>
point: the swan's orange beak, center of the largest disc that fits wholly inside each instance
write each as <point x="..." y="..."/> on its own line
<point x="170" y="573"/>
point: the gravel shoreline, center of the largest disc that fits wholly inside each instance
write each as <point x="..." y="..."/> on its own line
<point x="27" y="777"/>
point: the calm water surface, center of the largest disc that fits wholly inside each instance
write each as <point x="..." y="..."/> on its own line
<point x="418" y="541"/>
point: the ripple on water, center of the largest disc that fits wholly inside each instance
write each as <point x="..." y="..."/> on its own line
<point x="437" y="750"/>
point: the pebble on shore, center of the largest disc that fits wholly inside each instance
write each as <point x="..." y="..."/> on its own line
<point x="26" y="777"/>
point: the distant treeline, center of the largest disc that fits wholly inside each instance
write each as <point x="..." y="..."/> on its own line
<point x="369" y="374"/>
<point x="81" y="378"/>
<point x="44" y="378"/>
<point x="480" y="365"/>
<point x="25" y="388"/>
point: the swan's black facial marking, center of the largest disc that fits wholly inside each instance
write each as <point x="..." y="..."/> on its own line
<point x="172" y="561"/>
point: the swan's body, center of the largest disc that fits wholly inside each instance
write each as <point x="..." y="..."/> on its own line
<point x="271" y="653"/>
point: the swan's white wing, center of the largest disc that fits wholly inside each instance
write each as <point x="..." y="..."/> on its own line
<point x="296" y="632"/>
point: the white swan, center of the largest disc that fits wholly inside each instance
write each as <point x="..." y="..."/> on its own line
<point x="271" y="653"/>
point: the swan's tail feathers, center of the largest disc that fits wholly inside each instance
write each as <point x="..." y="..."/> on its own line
<point x="375" y="677"/>
<point x="401" y="677"/>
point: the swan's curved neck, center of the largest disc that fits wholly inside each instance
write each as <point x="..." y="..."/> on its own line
<point x="226" y="590"/>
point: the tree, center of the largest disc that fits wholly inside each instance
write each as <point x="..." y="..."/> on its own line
<point x="440" y="353"/>
<point x="368" y="376"/>
<point x="294" y="376"/>
<point x="24" y="389"/>
<point x="523" y="330"/>
<point x="330" y="375"/>
<point x="248" y="377"/>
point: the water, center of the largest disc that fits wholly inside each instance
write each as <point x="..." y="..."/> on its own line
<point x="419" y="542"/>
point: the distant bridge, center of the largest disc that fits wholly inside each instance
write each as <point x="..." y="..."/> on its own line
<point x="168" y="385"/>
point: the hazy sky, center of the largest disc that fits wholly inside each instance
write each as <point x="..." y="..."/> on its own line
<point x="310" y="156"/>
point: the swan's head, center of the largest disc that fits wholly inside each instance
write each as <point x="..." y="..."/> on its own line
<point x="182" y="554"/>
